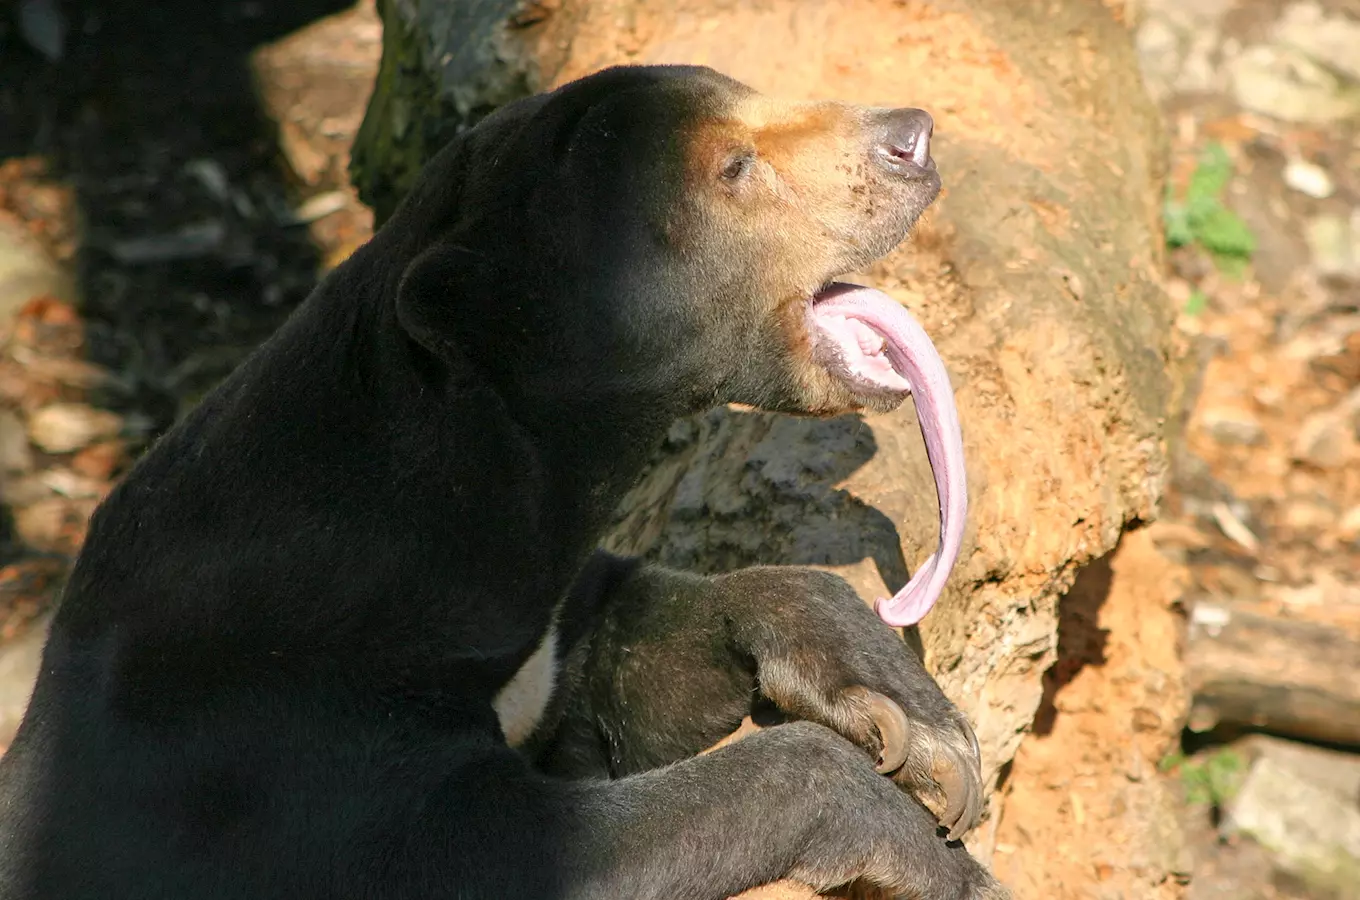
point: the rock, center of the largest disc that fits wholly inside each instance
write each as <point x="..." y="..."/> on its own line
<point x="1338" y="349"/>
<point x="1286" y="84"/>
<point x="67" y="483"/>
<point x="1186" y="13"/>
<point x="1324" y="441"/>
<point x="314" y="84"/>
<point x="40" y="524"/>
<point x="1230" y="425"/>
<point x="1334" y="242"/>
<point x="1334" y="771"/>
<point x="1332" y="345"/>
<point x="1052" y="159"/>
<point x="48" y="325"/>
<point x="1281" y="253"/>
<point x="1327" y="439"/>
<point x="309" y="83"/>
<point x="25" y="490"/>
<point x="43" y="25"/>
<point x="64" y="427"/>
<point x="320" y="206"/>
<point x="68" y="372"/>
<point x="1159" y="55"/>
<point x="1177" y="55"/>
<point x="15" y="454"/>
<point x="100" y="461"/>
<point x="193" y="241"/>
<point x="1348" y="528"/>
<point x="1309" y="178"/>
<point x="27" y="271"/>
<point x="1330" y="39"/>
<point x="1199" y="69"/>
<point x="1233" y="870"/>
<point x="54" y="524"/>
<point x="1292" y="803"/>
<point x="1309" y="515"/>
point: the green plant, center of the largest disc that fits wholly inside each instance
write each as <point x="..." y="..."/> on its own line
<point x="1209" y="780"/>
<point x="1195" y="304"/>
<point x="1201" y="218"/>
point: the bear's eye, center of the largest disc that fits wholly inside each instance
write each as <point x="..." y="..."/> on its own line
<point x="738" y="165"/>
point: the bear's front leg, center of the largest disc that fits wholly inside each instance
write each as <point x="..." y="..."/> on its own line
<point x="664" y="664"/>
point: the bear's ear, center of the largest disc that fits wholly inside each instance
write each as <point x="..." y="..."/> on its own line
<point x="428" y="298"/>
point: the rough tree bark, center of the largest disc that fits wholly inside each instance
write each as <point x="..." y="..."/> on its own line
<point x="1037" y="275"/>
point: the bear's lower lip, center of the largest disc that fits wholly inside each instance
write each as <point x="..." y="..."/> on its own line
<point x="870" y="341"/>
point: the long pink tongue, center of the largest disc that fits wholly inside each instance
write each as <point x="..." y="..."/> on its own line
<point x="914" y="356"/>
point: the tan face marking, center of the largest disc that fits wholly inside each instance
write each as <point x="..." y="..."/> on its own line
<point x="781" y="198"/>
<point x="809" y="188"/>
<point x="807" y="198"/>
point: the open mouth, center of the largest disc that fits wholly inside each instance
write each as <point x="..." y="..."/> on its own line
<point x="851" y="341"/>
<point x="869" y="341"/>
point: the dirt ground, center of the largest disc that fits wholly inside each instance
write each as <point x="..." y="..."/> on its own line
<point x="195" y="216"/>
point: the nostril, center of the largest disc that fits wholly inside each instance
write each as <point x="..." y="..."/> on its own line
<point x="903" y="150"/>
<point x="907" y="135"/>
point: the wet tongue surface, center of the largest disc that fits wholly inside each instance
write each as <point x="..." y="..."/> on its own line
<point x="881" y="344"/>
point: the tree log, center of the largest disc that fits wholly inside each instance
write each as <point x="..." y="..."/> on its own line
<point x="1038" y="275"/>
<point x="1247" y="670"/>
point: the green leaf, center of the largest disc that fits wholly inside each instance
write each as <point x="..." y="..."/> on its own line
<point x="1211" y="175"/>
<point x="1177" y="222"/>
<point x="1171" y="761"/>
<point x="1203" y="219"/>
<point x="1224" y="233"/>
<point x="1200" y="209"/>
<point x="1212" y="780"/>
<point x="1195" y="304"/>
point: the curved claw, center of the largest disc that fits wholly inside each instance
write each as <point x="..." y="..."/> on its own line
<point x="893" y="729"/>
<point x="960" y="811"/>
<point x="962" y="793"/>
<point x="972" y="741"/>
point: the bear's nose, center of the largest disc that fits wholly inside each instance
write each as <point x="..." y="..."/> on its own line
<point x="904" y="140"/>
